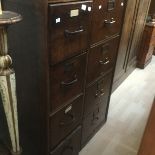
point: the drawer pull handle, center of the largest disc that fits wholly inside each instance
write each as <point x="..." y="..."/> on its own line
<point x="96" y="95"/>
<point x="69" y="122"/>
<point x="96" y="117"/>
<point x="100" y="94"/>
<point x="68" y="33"/>
<point x="109" y="22"/>
<point x="104" y="62"/>
<point x="69" y="83"/>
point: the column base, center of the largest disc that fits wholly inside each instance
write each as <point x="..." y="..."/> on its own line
<point x="16" y="153"/>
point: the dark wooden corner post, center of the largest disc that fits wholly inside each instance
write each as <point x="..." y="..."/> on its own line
<point x="7" y="80"/>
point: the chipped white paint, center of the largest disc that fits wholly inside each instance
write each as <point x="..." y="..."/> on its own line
<point x="14" y="102"/>
<point x="7" y="108"/>
<point x="3" y="38"/>
<point x="8" y="92"/>
<point x="5" y="59"/>
<point x="10" y="107"/>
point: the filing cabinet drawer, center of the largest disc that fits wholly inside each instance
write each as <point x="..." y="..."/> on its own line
<point x="101" y="59"/>
<point x="92" y="122"/>
<point x="67" y="81"/>
<point x="106" y="19"/>
<point x="65" y="120"/>
<point x="70" y="146"/>
<point x="98" y="94"/>
<point x="69" y="24"/>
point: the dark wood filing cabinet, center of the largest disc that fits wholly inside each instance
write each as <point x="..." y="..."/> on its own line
<point x="147" y="46"/>
<point x="65" y="57"/>
<point x="134" y="22"/>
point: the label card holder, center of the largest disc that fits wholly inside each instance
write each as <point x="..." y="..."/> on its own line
<point x="74" y="13"/>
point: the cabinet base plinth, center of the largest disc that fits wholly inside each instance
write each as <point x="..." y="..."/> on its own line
<point x="142" y="66"/>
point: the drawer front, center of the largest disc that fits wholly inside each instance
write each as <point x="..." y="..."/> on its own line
<point x="67" y="81"/>
<point x="107" y="19"/>
<point x="101" y="59"/>
<point x="97" y="94"/>
<point x="69" y="24"/>
<point x="91" y="123"/>
<point x="64" y="121"/>
<point x="70" y="146"/>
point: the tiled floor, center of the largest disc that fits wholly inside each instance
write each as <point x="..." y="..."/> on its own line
<point x="129" y="109"/>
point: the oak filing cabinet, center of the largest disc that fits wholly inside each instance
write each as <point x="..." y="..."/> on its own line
<point x="69" y="48"/>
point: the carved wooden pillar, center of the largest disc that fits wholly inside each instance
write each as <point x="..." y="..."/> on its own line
<point x="7" y="80"/>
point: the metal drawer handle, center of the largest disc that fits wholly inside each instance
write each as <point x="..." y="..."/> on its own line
<point x="69" y="83"/>
<point x="109" y="22"/>
<point x="67" y="32"/>
<point x="104" y="62"/>
<point x="100" y="94"/>
<point x="69" y="122"/>
<point x="96" y="95"/>
<point x="96" y="117"/>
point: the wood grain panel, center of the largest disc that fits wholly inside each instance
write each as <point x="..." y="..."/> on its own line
<point x="134" y="22"/>
<point x="148" y="141"/>
<point x="126" y="36"/>
<point x="69" y="25"/>
<point x="138" y="30"/>
<point x="146" y="47"/>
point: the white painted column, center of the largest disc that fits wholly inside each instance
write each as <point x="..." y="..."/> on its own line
<point x="8" y="89"/>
